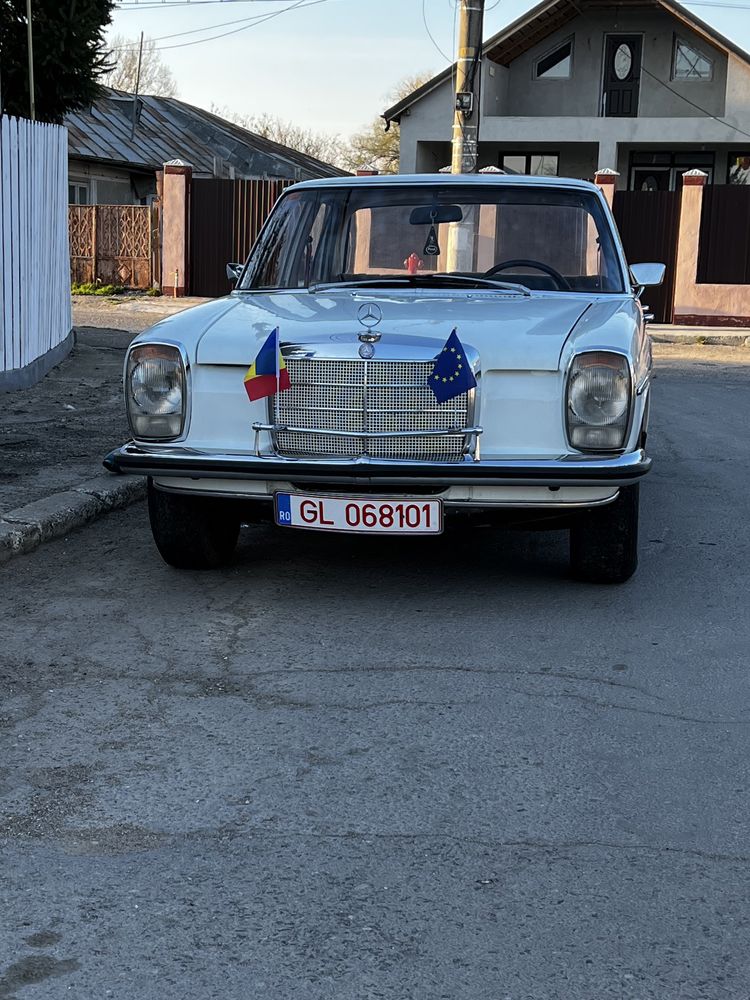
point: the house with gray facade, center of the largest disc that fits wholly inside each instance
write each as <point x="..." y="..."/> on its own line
<point x="643" y="87"/>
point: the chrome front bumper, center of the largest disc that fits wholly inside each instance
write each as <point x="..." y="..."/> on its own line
<point x="567" y="470"/>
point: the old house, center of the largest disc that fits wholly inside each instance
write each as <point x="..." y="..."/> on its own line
<point x="118" y="144"/>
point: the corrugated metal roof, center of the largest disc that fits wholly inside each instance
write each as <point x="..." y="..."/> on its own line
<point x="169" y="129"/>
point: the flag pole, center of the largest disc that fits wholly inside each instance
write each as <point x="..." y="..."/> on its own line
<point x="278" y="362"/>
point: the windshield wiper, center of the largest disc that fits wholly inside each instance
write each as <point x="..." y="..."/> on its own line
<point x="432" y="278"/>
<point x="436" y="277"/>
<point x="395" y="279"/>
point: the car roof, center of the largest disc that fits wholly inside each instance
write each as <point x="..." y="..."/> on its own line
<point x="442" y="180"/>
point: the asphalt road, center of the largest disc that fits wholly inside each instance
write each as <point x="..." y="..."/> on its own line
<point x="346" y="769"/>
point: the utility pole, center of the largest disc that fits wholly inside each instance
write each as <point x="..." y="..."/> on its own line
<point x="468" y="78"/>
<point x="137" y="88"/>
<point x="466" y="127"/>
<point x="32" y="100"/>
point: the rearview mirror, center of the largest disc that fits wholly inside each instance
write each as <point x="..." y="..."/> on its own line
<point x="426" y="215"/>
<point x="647" y="275"/>
<point x="234" y="271"/>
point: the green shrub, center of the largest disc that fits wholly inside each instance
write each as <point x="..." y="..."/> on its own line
<point x="91" y="288"/>
<point x="154" y="291"/>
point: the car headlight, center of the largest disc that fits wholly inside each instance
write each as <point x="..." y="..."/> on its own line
<point x="155" y="391"/>
<point x="598" y="402"/>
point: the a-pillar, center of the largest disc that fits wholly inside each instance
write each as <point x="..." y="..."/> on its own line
<point x="606" y="181"/>
<point x="175" y="277"/>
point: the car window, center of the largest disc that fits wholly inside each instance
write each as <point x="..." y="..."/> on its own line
<point x="548" y="238"/>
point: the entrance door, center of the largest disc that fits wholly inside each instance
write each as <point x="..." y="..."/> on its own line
<point x="622" y="76"/>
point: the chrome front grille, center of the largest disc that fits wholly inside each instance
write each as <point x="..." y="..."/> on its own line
<point x="366" y="397"/>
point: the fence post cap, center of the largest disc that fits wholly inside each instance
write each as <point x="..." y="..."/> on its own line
<point x="606" y="176"/>
<point x="177" y="167"/>
<point x="695" y="177"/>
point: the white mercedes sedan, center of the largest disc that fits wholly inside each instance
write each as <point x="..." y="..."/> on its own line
<point x="400" y="352"/>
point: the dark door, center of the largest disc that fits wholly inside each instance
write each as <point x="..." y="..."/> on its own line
<point x="622" y="76"/>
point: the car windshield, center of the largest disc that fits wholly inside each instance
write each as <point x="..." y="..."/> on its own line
<point x="543" y="238"/>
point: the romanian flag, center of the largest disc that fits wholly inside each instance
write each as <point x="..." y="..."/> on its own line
<point x="268" y="374"/>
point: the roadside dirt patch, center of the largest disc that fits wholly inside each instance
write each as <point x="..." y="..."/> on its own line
<point x="54" y="435"/>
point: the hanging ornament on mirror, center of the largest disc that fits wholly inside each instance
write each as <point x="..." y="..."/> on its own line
<point x="432" y="247"/>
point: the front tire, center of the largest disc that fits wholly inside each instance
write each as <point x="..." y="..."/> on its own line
<point x="604" y="540"/>
<point x="192" y="532"/>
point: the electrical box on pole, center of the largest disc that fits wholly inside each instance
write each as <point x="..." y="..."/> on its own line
<point x="468" y="80"/>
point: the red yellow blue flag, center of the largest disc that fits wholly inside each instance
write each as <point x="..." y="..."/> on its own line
<point x="268" y="374"/>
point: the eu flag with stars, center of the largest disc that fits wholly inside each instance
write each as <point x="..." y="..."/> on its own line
<point x="452" y="373"/>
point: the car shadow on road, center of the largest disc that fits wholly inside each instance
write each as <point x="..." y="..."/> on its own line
<point x="479" y="553"/>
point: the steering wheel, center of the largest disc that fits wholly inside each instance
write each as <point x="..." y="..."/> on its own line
<point x="562" y="283"/>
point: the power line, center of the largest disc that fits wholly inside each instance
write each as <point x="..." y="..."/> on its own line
<point x="194" y="31"/>
<point x="429" y="33"/>
<point x="244" y="23"/>
<point x="717" y="3"/>
<point x="164" y="4"/>
<point x="698" y="107"/>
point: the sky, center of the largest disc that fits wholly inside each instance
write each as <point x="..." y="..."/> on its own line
<point x="328" y="65"/>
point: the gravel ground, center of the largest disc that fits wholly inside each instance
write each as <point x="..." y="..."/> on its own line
<point x="55" y="434"/>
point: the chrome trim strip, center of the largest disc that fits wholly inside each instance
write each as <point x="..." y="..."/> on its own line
<point x="475" y="505"/>
<point x="446" y="431"/>
<point x="644" y="383"/>
<point x="566" y="470"/>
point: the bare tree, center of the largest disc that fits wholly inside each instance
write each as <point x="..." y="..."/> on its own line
<point x="373" y="146"/>
<point x="321" y="145"/>
<point x="156" y="76"/>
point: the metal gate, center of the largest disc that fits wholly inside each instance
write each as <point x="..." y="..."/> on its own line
<point x="649" y="223"/>
<point x="724" y="248"/>
<point x="225" y="219"/>
<point x="113" y="244"/>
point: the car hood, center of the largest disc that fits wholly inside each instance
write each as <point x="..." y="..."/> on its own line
<point x="507" y="331"/>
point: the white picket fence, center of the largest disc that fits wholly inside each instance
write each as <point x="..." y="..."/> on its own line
<point x="35" y="265"/>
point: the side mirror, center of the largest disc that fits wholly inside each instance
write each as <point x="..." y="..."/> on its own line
<point x="234" y="271"/>
<point x="647" y="275"/>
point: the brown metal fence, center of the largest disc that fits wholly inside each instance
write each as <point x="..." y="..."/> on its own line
<point x="724" y="248"/>
<point x="649" y="224"/>
<point x="113" y="244"/>
<point x="225" y="219"/>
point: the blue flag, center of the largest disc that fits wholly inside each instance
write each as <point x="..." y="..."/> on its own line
<point x="452" y="373"/>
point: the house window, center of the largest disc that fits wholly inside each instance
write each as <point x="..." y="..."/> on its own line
<point x="739" y="168"/>
<point x="662" y="170"/>
<point x="690" y="64"/>
<point x="556" y="65"/>
<point x="78" y="194"/>
<point x="537" y="164"/>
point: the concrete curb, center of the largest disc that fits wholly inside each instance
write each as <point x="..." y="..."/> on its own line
<point x="24" y="528"/>
<point x="701" y="336"/>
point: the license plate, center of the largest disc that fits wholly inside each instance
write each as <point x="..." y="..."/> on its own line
<point x="361" y="515"/>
